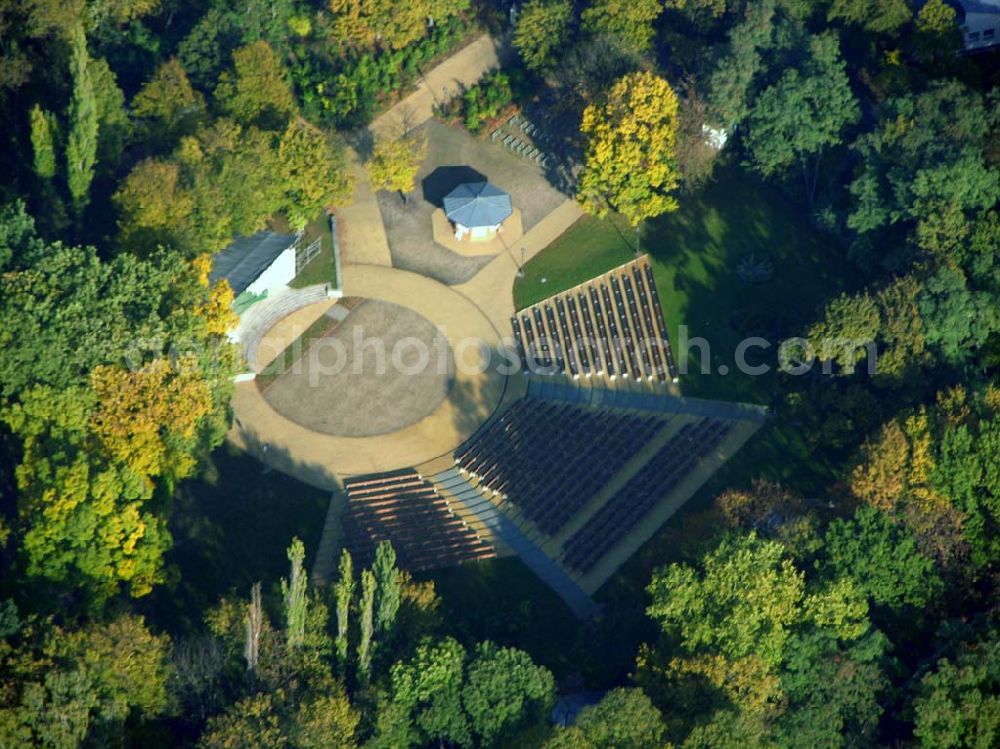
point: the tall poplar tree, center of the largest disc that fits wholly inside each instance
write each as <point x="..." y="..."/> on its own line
<point x="343" y="591"/>
<point x="81" y="143"/>
<point x="43" y="142"/>
<point x="254" y="625"/>
<point x="387" y="577"/>
<point x="368" y="585"/>
<point x="294" y="592"/>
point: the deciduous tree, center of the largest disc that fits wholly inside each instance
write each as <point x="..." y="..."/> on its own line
<point x="628" y="23"/>
<point x="924" y="167"/>
<point x="255" y="91"/>
<point x="153" y="206"/>
<point x="429" y="688"/>
<point x="370" y="24"/>
<point x="877" y="16"/>
<point x="503" y="692"/>
<point x="315" y="175"/>
<point x="958" y="703"/>
<point x="94" y="434"/>
<point x="542" y="31"/>
<point x="630" y="160"/>
<point x="883" y="560"/>
<point x="849" y="324"/>
<point x="327" y="721"/>
<point x="168" y="105"/>
<point x="803" y="114"/>
<point x="753" y="651"/>
<point x="252" y="723"/>
<point x="395" y="162"/>
<point x="623" y="719"/>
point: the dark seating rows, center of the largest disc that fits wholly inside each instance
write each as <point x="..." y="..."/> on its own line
<point x="630" y="504"/>
<point x="611" y="326"/>
<point x="404" y="508"/>
<point x="547" y="459"/>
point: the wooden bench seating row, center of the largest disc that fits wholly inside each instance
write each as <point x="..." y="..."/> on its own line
<point x="406" y="510"/>
<point x="611" y="326"/>
<point x="547" y="459"/>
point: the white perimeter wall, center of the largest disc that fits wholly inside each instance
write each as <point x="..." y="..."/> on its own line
<point x="278" y="274"/>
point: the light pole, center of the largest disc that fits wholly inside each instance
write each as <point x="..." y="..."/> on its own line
<point x="637" y="240"/>
<point x="520" y="268"/>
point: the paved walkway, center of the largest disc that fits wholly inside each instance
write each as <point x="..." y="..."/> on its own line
<point x="362" y="234"/>
<point x="492" y="289"/>
<point x="438" y="85"/>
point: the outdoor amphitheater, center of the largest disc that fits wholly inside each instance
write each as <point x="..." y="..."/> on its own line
<point x="461" y="428"/>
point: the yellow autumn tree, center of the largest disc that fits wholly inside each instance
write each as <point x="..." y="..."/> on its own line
<point x="217" y="307"/>
<point x="86" y="521"/>
<point x="630" y="166"/>
<point x="395" y="162"/>
<point x="893" y="473"/>
<point x="144" y="418"/>
<point x="385" y="24"/>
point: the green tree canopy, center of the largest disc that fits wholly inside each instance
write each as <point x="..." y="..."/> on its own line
<point x="623" y="719"/>
<point x="503" y="691"/>
<point x="754" y="652"/>
<point x="883" y="561"/>
<point x="877" y="16"/>
<point x="168" y="105"/>
<point x="99" y="410"/>
<point x="255" y="92"/>
<point x="958" y="703"/>
<point x="442" y="695"/>
<point x="803" y="114"/>
<point x="924" y="166"/>
<point x="627" y="23"/>
<point x="542" y="30"/>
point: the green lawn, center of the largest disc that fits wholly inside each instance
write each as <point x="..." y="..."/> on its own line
<point x="590" y="247"/>
<point x="321" y="269"/>
<point x="695" y="251"/>
<point x="231" y="528"/>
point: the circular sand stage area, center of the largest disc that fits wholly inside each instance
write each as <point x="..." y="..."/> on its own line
<point x="375" y="369"/>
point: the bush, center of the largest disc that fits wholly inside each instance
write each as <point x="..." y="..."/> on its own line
<point x="345" y="91"/>
<point x="486" y="100"/>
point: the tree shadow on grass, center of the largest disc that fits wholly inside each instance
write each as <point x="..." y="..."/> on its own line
<point x="231" y="527"/>
<point x="697" y="250"/>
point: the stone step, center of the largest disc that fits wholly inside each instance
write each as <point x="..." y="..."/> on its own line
<point x="264" y="315"/>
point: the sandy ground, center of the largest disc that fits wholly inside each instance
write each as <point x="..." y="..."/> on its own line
<point x="381" y="369"/>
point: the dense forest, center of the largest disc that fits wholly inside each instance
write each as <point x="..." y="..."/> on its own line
<point x="844" y="597"/>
